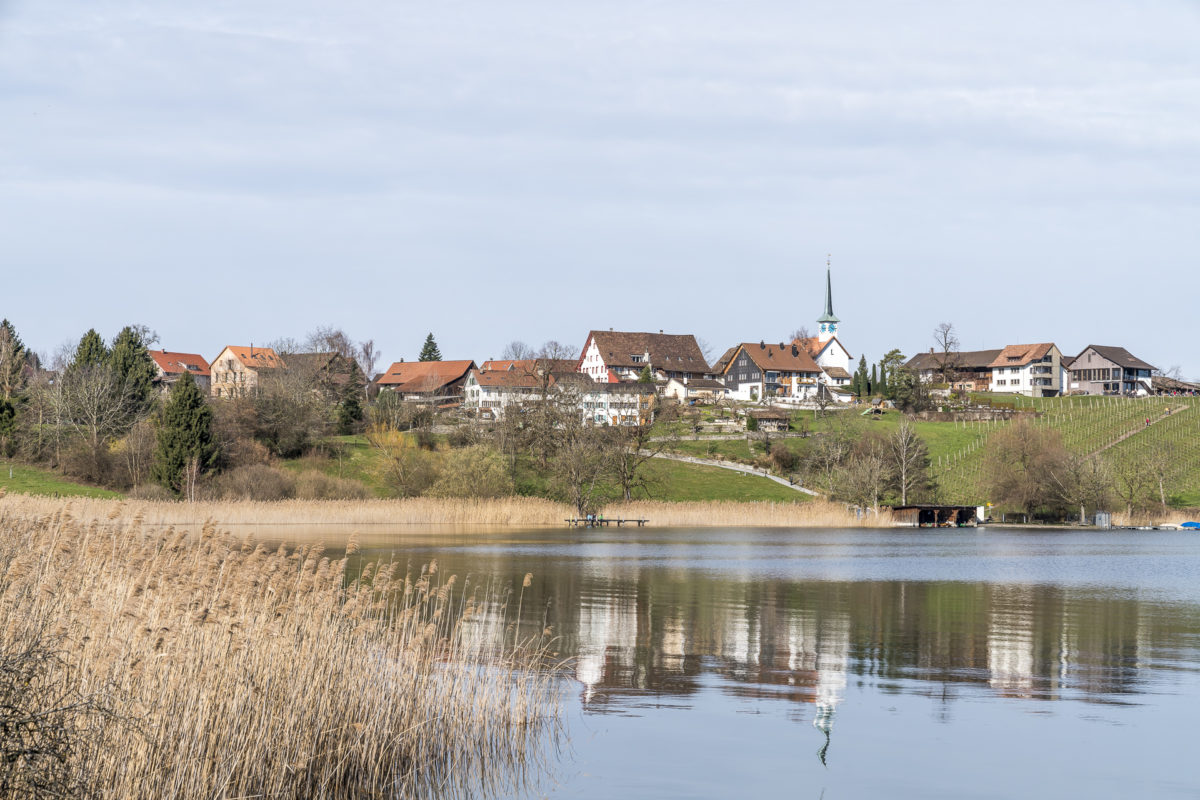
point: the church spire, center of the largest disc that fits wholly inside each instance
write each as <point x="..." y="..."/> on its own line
<point x="828" y="321"/>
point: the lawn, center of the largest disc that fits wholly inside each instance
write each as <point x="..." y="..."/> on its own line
<point x="679" y="482"/>
<point x="34" y="480"/>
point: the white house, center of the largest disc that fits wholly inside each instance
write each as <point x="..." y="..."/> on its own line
<point x="619" y="355"/>
<point x="1034" y="370"/>
<point x="490" y="392"/>
<point x="705" y="390"/>
<point x="771" y="371"/>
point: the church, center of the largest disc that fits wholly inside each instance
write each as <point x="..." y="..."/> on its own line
<point x="825" y="348"/>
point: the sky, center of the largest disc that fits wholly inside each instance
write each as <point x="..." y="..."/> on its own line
<point x="241" y="172"/>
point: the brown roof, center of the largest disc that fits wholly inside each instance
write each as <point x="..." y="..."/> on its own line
<point x="769" y="413"/>
<point x="513" y="379"/>
<point x="1018" y="355"/>
<point x="724" y="360"/>
<point x="837" y="372"/>
<point x="424" y="376"/>
<point x="781" y="357"/>
<point x="668" y="351"/>
<point x="255" y="357"/>
<point x="1117" y="355"/>
<point x="814" y="345"/>
<point x="963" y="359"/>
<point x="173" y="363"/>
<point x="531" y="365"/>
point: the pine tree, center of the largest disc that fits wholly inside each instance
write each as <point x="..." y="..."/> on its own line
<point x="859" y="384"/>
<point x="349" y="413"/>
<point x="873" y="388"/>
<point x="90" y="352"/>
<point x="430" y="352"/>
<point x="13" y="357"/>
<point x="186" y="448"/>
<point x="882" y="389"/>
<point x="134" y="367"/>
<point x="645" y="376"/>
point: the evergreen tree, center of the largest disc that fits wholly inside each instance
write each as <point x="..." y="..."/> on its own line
<point x="13" y="357"/>
<point x="645" y="376"/>
<point x="349" y="413"/>
<point x="186" y="448"/>
<point x="90" y="352"/>
<point x="882" y="387"/>
<point x="131" y="360"/>
<point x="430" y="352"/>
<point x="874" y="385"/>
<point x="860" y="383"/>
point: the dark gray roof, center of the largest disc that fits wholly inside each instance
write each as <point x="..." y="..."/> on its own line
<point x="964" y="359"/>
<point x="1118" y="355"/>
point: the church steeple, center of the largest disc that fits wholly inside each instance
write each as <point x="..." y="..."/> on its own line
<point x="828" y="321"/>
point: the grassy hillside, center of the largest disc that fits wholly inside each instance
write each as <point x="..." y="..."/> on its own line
<point x="16" y="477"/>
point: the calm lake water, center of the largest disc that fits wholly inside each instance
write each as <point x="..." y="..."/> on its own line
<point x="857" y="663"/>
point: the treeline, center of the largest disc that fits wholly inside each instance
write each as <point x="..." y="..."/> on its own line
<point x="100" y="416"/>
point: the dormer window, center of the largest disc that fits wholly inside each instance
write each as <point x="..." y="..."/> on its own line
<point x="636" y="359"/>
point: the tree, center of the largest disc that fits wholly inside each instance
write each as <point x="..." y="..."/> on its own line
<point x="186" y="446"/>
<point x="909" y="461"/>
<point x="873" y="383"/>
<point x="946" y="357"/>
<point x="865" y="476"/>
<point x="90" y="352"/>
<point x="1082" y="481"/>
<point x="580" y="465"/>
<point x="517" y="350"/>
<point x="888" y="367"/>
<point x="908" y="391"/>
<point x="135" y="369"/>
<point x="635" y="445"/>
<point x="1134" y="480"/>
<point x="645" y="376"/>
<point x="349" y="414"/>
<point x="430" y="351"/>
<point x="14" y="357"/>
<point x="1020" y="464"/>
<point x="475" y="471"/>
<point x="882" y="387"/>
<point x="800" y="334"/>
<point x="861" y="380"/>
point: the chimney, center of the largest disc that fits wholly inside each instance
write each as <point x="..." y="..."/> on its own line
<point x="660" y="331"/>
<point x="931" y="351"/>
<point x="762" y="345"/>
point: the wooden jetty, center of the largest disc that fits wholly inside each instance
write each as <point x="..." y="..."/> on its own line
<point x="597" y="522"/>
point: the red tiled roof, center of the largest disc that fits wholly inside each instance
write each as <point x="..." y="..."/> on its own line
<point x="511" y="378"/>
<point x="255" y="357"/>
<point x="668" y="351"/>
<point x="1018" y="355"/>
<point x="424" y="376"/>
<point x="172" y="363"/>
<point x="531" y="365"/>
<point x="784" y="358"/>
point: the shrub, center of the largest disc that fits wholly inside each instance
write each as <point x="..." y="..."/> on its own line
<point x="477" y="471"/>
<point x="253" y="482"/>
<point x="314" y="485"/>
<point x="783" y="459"/>
<point x="151" y="491"/>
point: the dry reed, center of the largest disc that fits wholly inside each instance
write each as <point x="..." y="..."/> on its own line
<point x="227" y="669"/>
<point x="507" y="512"/>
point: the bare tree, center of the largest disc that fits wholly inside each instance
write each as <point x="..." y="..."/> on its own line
<point x="1083" y="482"/>
<point x="800" y="334"/>
<point x="580" y="465"/>
<point x="866" y="475"/>
<point x="1019" y="465"/>
<point x="946" y="340"/>
<point x="556" y="351"/>
<point x="1133" y="482"/>
<point x="706" y="350"/>
<point x="517" y="350"/>
<point x="909" y="460"/>
<point x="637" y="444"/>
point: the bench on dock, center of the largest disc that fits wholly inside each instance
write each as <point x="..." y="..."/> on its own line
<point x="575" y="522"/>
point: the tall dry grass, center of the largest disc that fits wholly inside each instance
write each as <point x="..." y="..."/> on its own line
<point x="208" y="666"/>
<point x="817" y="513"/>
<point x="508" y="511"/>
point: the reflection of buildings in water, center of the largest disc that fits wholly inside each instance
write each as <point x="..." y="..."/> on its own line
<point x="1011" y="641"/>
<point x="833" y="653"/>
<point x="740" y="639"/>
<point x="607" y="632"/>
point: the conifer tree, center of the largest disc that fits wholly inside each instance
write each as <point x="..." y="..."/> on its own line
<point x="860" y="382"/>
<point x="882" y="388"/>
<point x="13" y="357"/>
<point x="131" y="360"/>
<point x="430" y="351"/>
<point x="90" y="352"/>
<point x="186" y="448"/>
<point x="349" y="413"/>
<point x="645" y="376"/>
<point x="874" y="385"/>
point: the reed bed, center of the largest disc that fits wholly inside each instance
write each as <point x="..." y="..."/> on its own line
<point x="815" y="514"/>
<point x="525" y="512"/>
<point x="207" y="666"/>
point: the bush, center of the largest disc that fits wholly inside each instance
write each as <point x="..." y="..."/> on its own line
<point x="477" y="471"/>
<point x="253" y="482"/>
<point x="314" y="485"/>
<point x="153" y="492"/>
<point x="783" y="459"/>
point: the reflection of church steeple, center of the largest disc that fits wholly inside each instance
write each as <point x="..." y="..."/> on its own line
<point x="828" y="321"/>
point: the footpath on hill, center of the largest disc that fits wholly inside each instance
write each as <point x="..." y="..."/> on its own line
<point x="1150" y="421"/>
<point x="742" y="468"/>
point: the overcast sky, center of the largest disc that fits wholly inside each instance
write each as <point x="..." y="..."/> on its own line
<point x="236" y="172"/>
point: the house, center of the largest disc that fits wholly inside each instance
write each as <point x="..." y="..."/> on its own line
<point x="624" y="403"/>
<point x="619" y="355"/>
<point x="440" y="381"/>
<point x="531" y="365"/>
<point x="1101" y="369"/>
<point x="1034" y="370"/>
<point x="488" y="392"/>
<point x="235" y="371"/>
<point x="172" y="365"/>
<point x="968" y="370"/>
<point x="768" y="371"/>
<point x="774" y="420"/>
<point x="704" y="390"/>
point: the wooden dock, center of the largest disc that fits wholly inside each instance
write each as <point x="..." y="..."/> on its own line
<point x="599" y="522"/>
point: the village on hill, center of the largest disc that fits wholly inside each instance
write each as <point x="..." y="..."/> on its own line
<point x="787" y="411"/>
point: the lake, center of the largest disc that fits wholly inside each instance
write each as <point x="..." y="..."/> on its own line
<point x="718" y="663"/>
